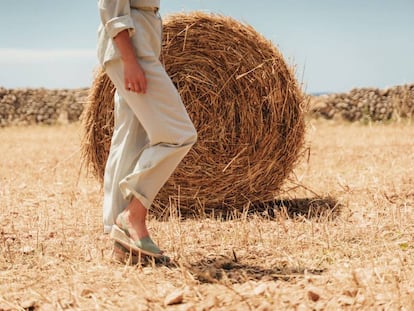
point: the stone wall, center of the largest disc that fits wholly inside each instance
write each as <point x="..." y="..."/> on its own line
<point x="34" y="106"/>
<point x="366" y="104"/>
<point x="43" y="106"/>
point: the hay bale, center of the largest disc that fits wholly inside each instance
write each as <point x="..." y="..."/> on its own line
<point x="244" y="102"/>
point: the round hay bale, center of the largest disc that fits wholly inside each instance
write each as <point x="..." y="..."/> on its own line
<point x="244" y="102"/>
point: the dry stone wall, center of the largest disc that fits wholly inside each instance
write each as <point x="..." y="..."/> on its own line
<point x="366" y="104"/>
<point x="40" y="106"/>
<point x="43" y="106"/>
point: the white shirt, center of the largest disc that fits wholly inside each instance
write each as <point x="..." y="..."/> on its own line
<point x="118" y="15"/>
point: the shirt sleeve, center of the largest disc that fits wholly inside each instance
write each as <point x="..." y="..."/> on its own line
<point x="116" y="16"/>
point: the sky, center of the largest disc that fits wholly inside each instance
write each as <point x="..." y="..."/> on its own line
<point x="334" y="45"/>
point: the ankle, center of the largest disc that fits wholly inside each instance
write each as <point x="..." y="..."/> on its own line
<point x="136" y="212"/>
<point x="134" y="218"/>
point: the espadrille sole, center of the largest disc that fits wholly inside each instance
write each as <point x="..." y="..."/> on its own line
<point x="119" y="235"/>
<point x="122" y="255"/>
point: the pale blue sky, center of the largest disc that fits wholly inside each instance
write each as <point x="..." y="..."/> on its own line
<point x="335" y="44"/>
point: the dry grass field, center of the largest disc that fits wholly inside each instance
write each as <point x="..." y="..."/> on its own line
<point x="341" y="238"/>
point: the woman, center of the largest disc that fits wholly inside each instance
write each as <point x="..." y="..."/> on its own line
<point x="152" y="130"/>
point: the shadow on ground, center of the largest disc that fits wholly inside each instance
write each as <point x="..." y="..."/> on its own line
<point x="310" y="208"/>
<point x="326" y="208"/>
<point x="222" y="269"/>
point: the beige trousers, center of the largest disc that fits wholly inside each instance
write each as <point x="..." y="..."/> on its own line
<point x="152" y="134"/>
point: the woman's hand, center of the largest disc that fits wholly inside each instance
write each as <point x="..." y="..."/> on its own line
<point x="134" y="76"/>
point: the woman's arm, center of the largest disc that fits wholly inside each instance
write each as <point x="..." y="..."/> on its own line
<point x="134" y="76"/>
<point x="116" y="18"/>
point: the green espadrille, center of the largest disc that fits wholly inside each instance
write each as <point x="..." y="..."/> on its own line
<point x="145" y="245"/>
<point x="123" y="255"/>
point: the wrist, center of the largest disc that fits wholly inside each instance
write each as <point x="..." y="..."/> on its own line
<point x="128" y="59"/>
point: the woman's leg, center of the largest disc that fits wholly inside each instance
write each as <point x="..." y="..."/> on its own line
<point x="170" y="135"/>
<point x="128" y="135"/>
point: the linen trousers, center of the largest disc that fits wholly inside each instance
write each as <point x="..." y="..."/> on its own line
<point x="152" y="134"/>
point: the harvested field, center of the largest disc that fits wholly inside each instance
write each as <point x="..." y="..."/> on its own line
<point x="341" y="238"/>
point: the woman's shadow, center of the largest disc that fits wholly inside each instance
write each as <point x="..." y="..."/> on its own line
<point x="220" y="268"/>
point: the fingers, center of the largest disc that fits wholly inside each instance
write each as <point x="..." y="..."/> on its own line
<point x="144" y="86"/>
<point x="137" y="87"/>
<point x="134" y="87"/>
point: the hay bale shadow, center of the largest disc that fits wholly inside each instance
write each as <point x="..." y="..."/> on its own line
<point x="315" y="208"/>
<point x="326" y="208"/>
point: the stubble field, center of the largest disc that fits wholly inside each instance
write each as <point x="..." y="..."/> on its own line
<point x="341" y="238"/>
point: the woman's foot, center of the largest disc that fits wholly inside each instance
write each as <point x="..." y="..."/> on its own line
<point x="134" y="218"/>
<point x="131" y="230"/>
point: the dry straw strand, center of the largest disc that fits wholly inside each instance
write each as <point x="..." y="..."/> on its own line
<point x="244" y="101"/>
